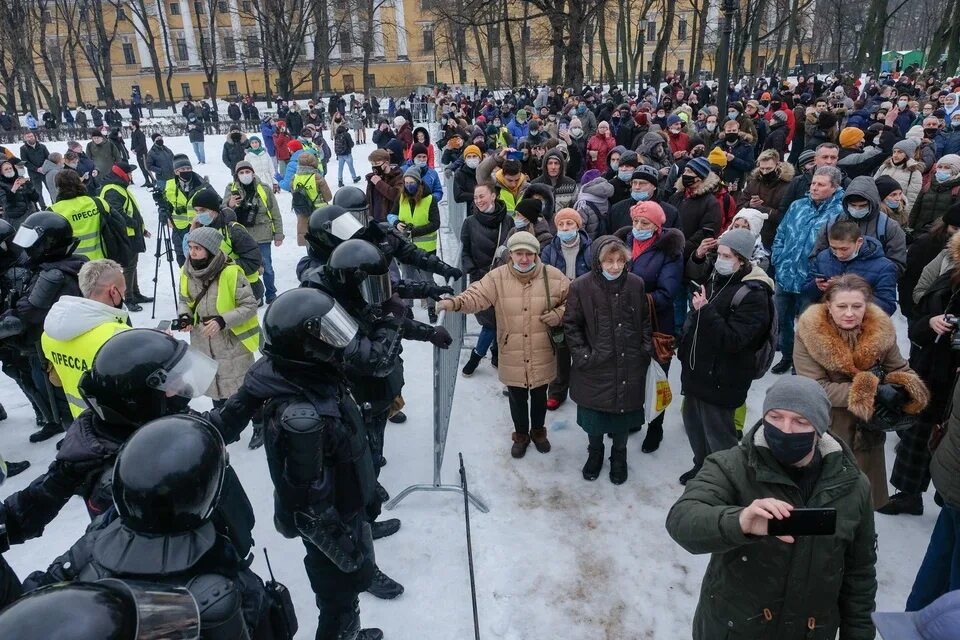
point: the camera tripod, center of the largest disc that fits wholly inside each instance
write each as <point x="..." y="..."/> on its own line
<point x="164" y="240"/>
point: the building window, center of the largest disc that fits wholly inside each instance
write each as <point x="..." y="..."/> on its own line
<point x="253" y="47"/>
<point x="232" y="87"/>
<point x="427" y="39"/>
<point x="302" y="51"/>
<point x="185" y="89"/>
<point x="229" y="47"/>
<point x="247" y="6"/>
<point x="198" y="7"/>
<point x="649" y="66"/>
<point x="101" y="94"/>
<point x="46" y="17"/>
<point x="680" y="68"/>
<point x="121" y="14"/>
<point x="223" y="7"/>
<point x="526" y="33"/>
<point x="431" y="77"/>
<point x="128" y="57"/>
<point x="348" y="83"/>
<point x="346" y="47"/>
<point x="493" y="35"/>
<point x="682" y="29"/>
<point x="207" y="49"/>
<point x="651" y="30"/>
<point x="174" y="8"/>
<point x="371" y="80"/>
<point x="182" y="54"/>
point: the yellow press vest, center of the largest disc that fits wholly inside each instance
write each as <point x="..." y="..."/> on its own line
<point x="70" y="358"/>
<point x="226" y="245"/>
<point x="83" y="214"/>
<point x="235" y="190"/>
<point x="308" y="182"/>
<point x="417" y="217"/>
<point x="508" y="199"/>
<point x="182" y="212"/>
<point x="128" y="206"/>
<point x="247" y="332"/>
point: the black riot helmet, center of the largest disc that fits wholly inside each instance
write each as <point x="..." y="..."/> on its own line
<point x="357" y="264"/>
<point x="105" y="610"/>
<point x="168" y="475"/>
<point x="307" y="326"/>
<point x="329" y="226"/>
<point x="7" y="232"/>
<point x="143" y="374"/>
<point x="46" y="236"/>
<point x="352" y="199"/>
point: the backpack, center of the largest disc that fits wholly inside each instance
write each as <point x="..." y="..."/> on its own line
<point x="113" y="233"/>
<point x="302" y="204"/>
<point x="763" y="357"/>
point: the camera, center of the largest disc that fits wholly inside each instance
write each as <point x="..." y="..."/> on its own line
<point x="179" y="324"/>
<point x="952" y="320"/>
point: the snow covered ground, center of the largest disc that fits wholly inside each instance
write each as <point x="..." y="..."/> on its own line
<point x="556" y="557"/>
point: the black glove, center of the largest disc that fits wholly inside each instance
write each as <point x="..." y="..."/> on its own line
<point x="10" y="326"/>
<point x="332" y="536"/>
<point x="437" y="291"/>
<point x="441" y="338"/>
<point x="891" y="396"/>
<point x="453" y="274"/>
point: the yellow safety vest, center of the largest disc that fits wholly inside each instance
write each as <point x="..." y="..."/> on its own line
<point x="182" y="206"/>
<point x="309" y="183"/>
<point x="508" y="199"/>
<point x="248" y="331"/>
<point x="226" y="245"/>
<point x="235" y="190"/>
<point x="70" y="358"/>
<point x="128" y="206"/>
<point x="417" y="217"/>
<point x="83" y="214"/>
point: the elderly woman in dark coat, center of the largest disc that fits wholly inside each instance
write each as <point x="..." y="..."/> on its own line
<point x="607" y="328"/>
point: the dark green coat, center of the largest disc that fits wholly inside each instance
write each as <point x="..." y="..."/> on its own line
<point x="760" y="588"/>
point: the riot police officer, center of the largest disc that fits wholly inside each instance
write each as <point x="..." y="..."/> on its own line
<point x="317" y="451"/>
<point x="167" y="482"/>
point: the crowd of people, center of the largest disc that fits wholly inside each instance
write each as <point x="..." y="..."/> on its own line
<point x="607" y="234"/>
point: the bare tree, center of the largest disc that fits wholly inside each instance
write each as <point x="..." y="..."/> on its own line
<point x="142" y="25"/>
<point x="205" y="12"/>
<point x="99" y="31"/>
<point x="16" y="20"/>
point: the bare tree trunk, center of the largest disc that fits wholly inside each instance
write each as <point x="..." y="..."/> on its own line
<point x="663" y="41"/>
<point x="556" y="43"/>
<point x="484" y="67"/>
<point x="604" y="51"/>
<point x="511" y="51"/>
<point x="139" y="8"/>
<point x="791" y="37"/>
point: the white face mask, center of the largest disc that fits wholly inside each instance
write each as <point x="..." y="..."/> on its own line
<point x="473" y="163"/>
<point x="9" y="173"/>
<point x="245" y="178"/>
<point x="725" y="266"/>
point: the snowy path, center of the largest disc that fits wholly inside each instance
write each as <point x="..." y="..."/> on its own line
<point x="556" y="557"/>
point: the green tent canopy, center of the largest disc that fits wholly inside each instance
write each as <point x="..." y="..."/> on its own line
<point x="889" y="59"/>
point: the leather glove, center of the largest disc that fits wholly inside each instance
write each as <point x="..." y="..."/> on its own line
<point x="441" y="338"/>
<point x="438" y="291"/>
<point x="891" y="396"/>
<point x="453" y="274"/>
<point x="551" y="318"/>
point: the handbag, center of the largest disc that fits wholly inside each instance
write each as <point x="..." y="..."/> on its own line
<point x="664" y="344"/>
<point x="556" y="333"/>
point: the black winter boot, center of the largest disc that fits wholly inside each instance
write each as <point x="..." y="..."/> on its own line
<point x="785" y="364"/>
<point x="384" y="587"/>
<point x="16" y="468"/>
<point x="494" y="356"/>
<point x="385" y="528"/>
<point x="618" y="465"/>
<point x="591" y="470"/>
<point x="472" y="364"/>
<point x="48" y="431"/>
<point x="909" y="503"/>
<point x="689" y="475"/>
<point x="654" y="436"/>
<point x="3" y="413"/>
<point x="398" y="418"/>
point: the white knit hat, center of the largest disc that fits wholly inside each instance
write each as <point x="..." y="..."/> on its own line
<point x="754" y="218"/>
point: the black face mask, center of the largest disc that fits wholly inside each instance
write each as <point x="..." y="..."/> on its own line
<point x="930" y="132"/>
<point x="235" y="137"/>
<point x="769" y="176"/>
<point x="788" y="448"/>
<point x="185" y="176"/>
<point x="688" y="180"/>
<point x="199" y="263"/>
<point x="731" y="137"/>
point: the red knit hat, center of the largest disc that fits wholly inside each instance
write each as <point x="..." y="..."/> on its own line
<point x="649" y="210"/>
<point x="294" y="145"/>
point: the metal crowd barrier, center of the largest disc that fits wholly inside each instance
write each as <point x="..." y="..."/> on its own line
<point x="456" y="211"/>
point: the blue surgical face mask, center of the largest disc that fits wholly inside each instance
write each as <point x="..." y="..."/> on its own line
<point x="526" y="269"/>
<point x="567" y="236"/>
<point x="614" y="165"/>
<point x="639" y="196"/>
<point x="420" y="163"/>
<point x="732" y="115"/>
<point x="893" y="204"/>
<point x="205" y="218"/>
<point x="626" y="175"/>
<point x="411" y="188"/>
<point x="858" y="212"/>
<point x="942" y="176"/>
<point x="520" y="223"/>
<point x="642" y="234"/>
<point x="852" y="256"/>
<point x="610" y="276"/>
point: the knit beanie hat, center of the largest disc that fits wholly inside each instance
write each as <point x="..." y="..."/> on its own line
<point x="523" y="240"/>
<point x="649" y="210"/>
<point x="575" y="123"/>
<point x="399" y="121"/>
<point x="908" y="146"/>
<point x="395" y="147"/>
<point x="568" y="213"/>
<point x="700" y="166"/>
<point x="181" y="161"/>
<point x="294" y="145"/>
<point x="419" y="149"/>
<point x="414" y="172"/>
<point x="207" y="198"/>
<point x="674" y="119"/>
<point x="472" y="150"/>
<point x="740" y="241"/>
<point x="521" y="115"/>
<point x="887" y="185"/>
<point x="647" y="173"/>
<point x="800" y="395"/>
<point x="589" y="176"/>
<point x="951" y="159"/>
<point x="208" y="238"/>
<point x="243" y="164"/>
<point x="717" y="158"/>
<point x="754" y="218"/>
<point x="850" y="136"/>
<point x="531" y="209"/>
<point x="156" y="135"/>
<point x="915" y="133"/>
<point x="807" y="156"/>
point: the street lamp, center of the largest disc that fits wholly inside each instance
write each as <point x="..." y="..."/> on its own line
<point x="723" y="53"/>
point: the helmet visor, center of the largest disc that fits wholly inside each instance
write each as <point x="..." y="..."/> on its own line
<point x="190" y="376"/>
<point x="335" y="328"/>
<point x="345" y="226"/>
<point x="164" y="612"/>
<point x="26" y="237"/>
<point x="376" y="289"/>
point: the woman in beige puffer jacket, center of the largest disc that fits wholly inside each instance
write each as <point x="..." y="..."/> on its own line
<point x="527" y="363"/>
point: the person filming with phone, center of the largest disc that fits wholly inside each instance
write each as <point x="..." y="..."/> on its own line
<point x="787" y="518"/>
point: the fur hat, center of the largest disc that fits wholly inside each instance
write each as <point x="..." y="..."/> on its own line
<point x="208" y="238"/>
<point x="531" y="209"/>
<point x="379" y="155"/>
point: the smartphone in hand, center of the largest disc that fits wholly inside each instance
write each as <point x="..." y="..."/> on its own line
<point x="805" y="522"/>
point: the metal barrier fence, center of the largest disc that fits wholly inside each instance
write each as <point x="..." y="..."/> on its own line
<point x="456" y="211"/>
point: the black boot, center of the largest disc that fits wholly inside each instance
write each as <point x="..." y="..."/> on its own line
<point x="472" y="364"/>
<point x="618" y="465"/>
<point x="398" y="418"/>
<point x="142" y="299"/>
<point x="48" y="431"/>
<point x="346" y="625"/>
<point x="256" y="440"/>
<point x="785" y="365"/>
<point x="689" y="475"/>
<point x="384" y="587"/>
<point x="909" y="503"/>
<point x="494" y="356"/>
<point x="16" y="468"/>
<point x="652" y="441"/>
<point x="591" y="470"/>
<point x="385" y="528"/>
<point x="131" y="305"/>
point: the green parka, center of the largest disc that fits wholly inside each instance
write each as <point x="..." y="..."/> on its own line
<point x="760" y="588"/>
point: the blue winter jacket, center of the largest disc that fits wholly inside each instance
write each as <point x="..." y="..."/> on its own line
<point x="870" y="264"/>
<point x="552" y="254"/>
<point x="947" y="142"/>
<point x="430" y="179"/>
<point x="266" y="130"/>
<point x="518" y="130"/>
<point x="661" y="268"/>
<point x="287" y="182"/>
<point x="796" y="236"/>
